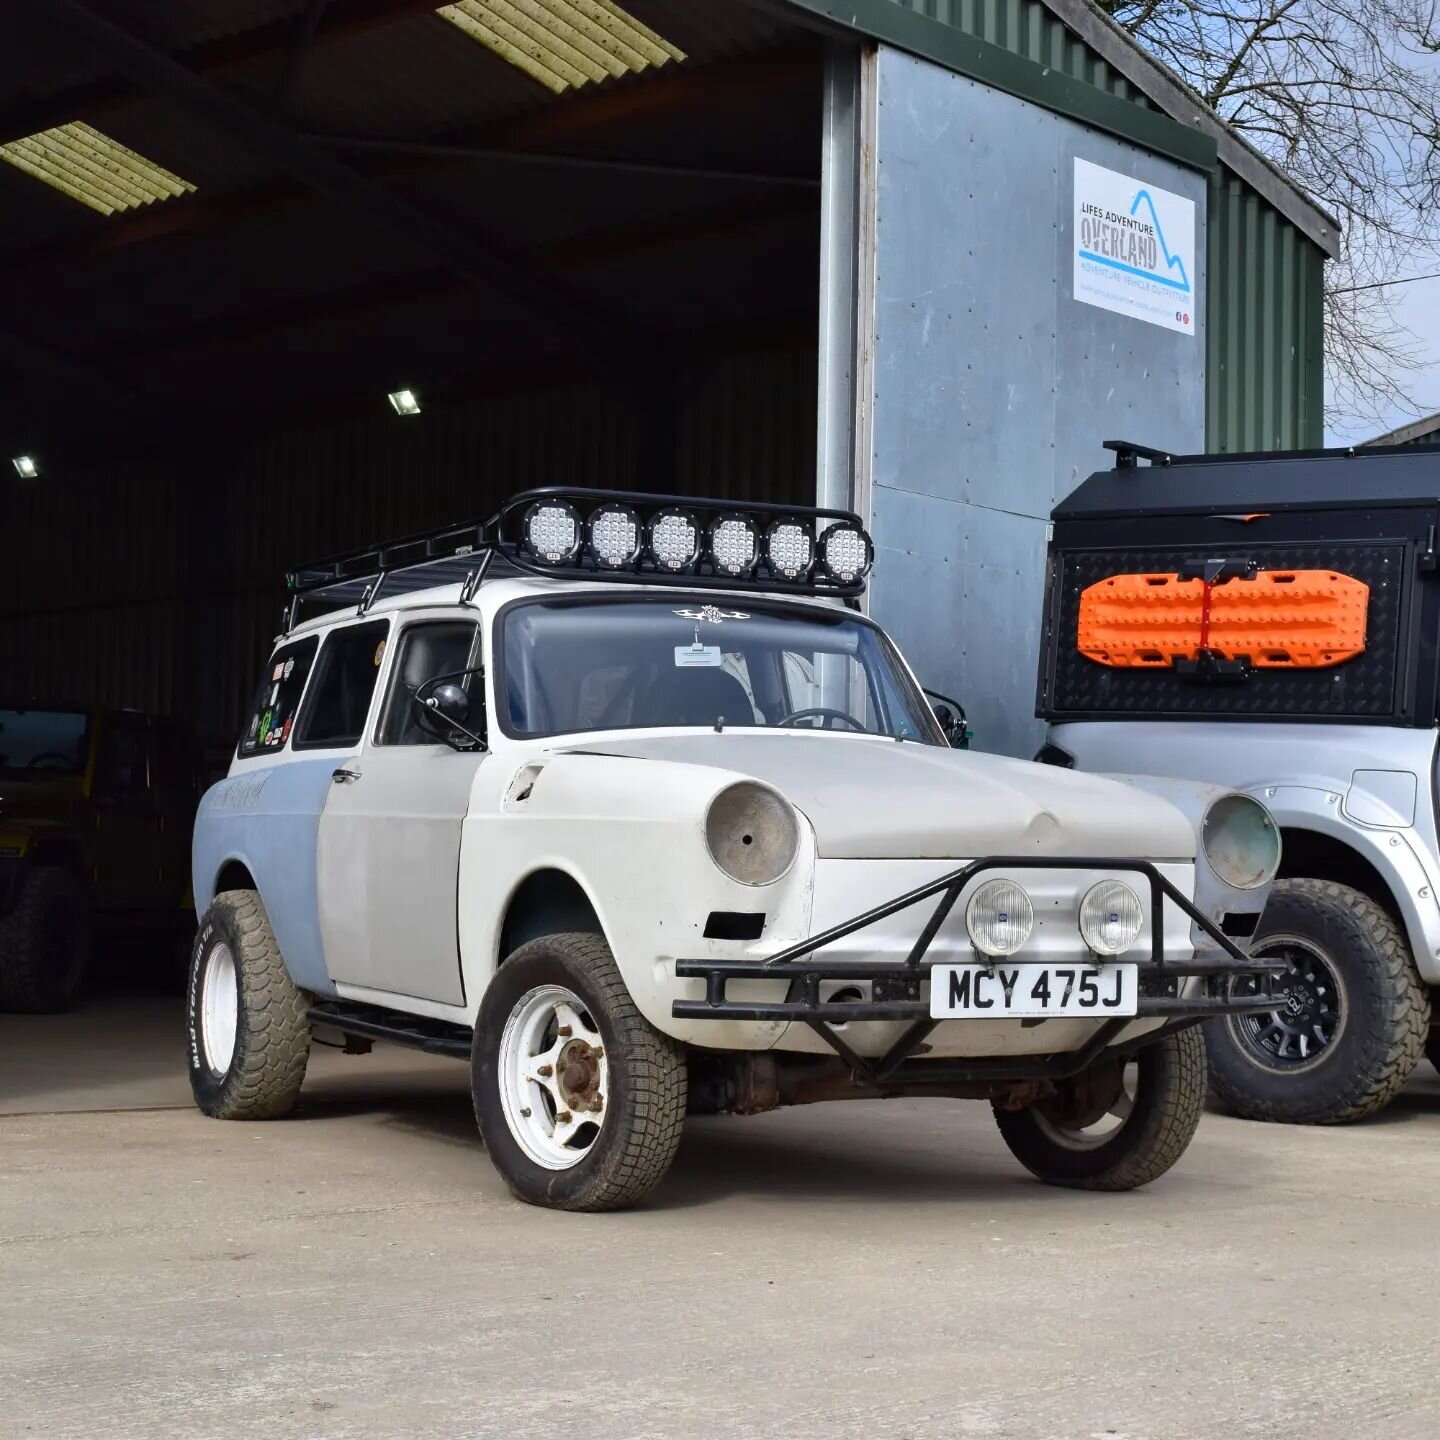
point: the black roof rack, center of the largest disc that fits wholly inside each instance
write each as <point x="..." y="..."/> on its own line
<point x="465" y="553"/>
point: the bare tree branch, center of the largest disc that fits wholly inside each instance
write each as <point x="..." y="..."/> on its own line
<point x="1345" y="96"/>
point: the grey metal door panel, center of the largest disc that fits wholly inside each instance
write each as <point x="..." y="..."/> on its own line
<point x="389" y="860"/>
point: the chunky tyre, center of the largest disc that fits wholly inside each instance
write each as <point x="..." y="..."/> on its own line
<point x="248" y="1023"/>
<point x="580" y="1100"/>
<point x="1352" y="1021"/>
<point x="45" y="943"/>
<point x="1120" y="1128"/>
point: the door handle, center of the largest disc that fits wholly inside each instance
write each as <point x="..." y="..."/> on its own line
<point x="343" y="776"/>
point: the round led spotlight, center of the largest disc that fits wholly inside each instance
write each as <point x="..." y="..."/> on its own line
<point x="673" y="541"/>
<point x="846" y="553"/>
<point x="789" y="549"/>
<point x="614" y="533"/>
<point x="1110" y="917"/>
<point x="734" y="545"/>
<point x="552" y="531"/>
<point x="999" y="918"/>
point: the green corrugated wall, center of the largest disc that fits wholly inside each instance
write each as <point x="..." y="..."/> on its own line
<point x="1264" y="326"/>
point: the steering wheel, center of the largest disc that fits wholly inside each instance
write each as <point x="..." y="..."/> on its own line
<point x="823" y="712"/>
<point x="56" y="759"/>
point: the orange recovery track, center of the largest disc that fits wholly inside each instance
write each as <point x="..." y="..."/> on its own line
<point x="1282" y="619"/>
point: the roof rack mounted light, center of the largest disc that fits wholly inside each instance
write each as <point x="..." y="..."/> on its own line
<point x="617" y="535"/>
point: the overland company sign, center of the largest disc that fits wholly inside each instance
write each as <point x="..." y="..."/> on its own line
<point x="1134" y="248"/>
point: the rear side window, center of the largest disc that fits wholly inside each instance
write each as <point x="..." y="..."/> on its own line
<point x="339" y="700"/>
<point x="272" y="713"/>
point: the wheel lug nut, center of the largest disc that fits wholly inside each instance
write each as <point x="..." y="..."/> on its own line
<point x="563" y="1031"/>
<point x="546" y="1070"/>
<point x="562" y="1117"/>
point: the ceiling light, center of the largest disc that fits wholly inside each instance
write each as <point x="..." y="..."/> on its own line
<point x="562" y="43"/>
<point x="405" y="402"/>
<point x="80" y="162"/>
<point x="25" y="467"/>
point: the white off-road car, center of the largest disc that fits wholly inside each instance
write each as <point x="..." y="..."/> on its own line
<point x="621" y="799"/>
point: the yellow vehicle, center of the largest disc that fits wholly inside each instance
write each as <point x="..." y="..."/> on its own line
<point x="96" y="812"/>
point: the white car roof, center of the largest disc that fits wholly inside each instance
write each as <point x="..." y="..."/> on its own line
<point x="492" y="594"/>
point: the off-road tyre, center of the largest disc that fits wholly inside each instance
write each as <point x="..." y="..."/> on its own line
<point x="647" y="1084"/>
<point x="1169" y="1098"/>
<point x="45" y="943"/>
<point x="272" y="1028"/>
<point x="1384" y="1024"/>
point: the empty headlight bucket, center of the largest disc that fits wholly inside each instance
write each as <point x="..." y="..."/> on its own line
<point x="1110" y="917"/>
<point x="752" y="833"/>
<point x="1241" y="841"/>
<point x="999" y="917"/>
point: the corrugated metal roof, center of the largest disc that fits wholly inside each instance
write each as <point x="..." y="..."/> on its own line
<point x="563" y="43"/>
<point x="90" y="167"/>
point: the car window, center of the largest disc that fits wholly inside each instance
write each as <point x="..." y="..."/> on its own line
<point x="336" y="704"/>
<point x="427" y="650"/>
<point x="277" y="696"/>
<point x="596" y="663"/>
<point x="40" y="741"/>
<point x="120" y="766"/>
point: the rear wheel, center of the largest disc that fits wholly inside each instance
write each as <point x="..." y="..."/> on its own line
<point x="1120" y="1125"/>
<point x="249" y="1024"/>
<point x="1352" y="1020"/>
<point x="45" y="943"/>
<point x="580" y="1100"/>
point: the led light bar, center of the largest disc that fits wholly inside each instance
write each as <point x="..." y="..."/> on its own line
<point x="674" y="540"/>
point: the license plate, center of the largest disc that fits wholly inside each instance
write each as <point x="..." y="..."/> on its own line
<point x="978" y="992"/>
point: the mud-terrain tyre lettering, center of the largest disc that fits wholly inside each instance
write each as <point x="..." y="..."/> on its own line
<point x="645" y="1106"/>
<point x="1169" y="1098"/>
<point x="271" y="1029"/>
<point x="45" y="943"/>
<point x="1385" y="1018"/>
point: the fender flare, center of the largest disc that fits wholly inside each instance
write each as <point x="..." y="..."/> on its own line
<point x="1393" y="853"/>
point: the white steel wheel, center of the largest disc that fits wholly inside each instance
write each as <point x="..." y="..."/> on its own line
<point x="554" y="1078"/>
<point x="219" y="1009"/>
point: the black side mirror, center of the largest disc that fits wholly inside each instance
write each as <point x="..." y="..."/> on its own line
<point x="443" y="710"/>
<point x="950" y="715"/>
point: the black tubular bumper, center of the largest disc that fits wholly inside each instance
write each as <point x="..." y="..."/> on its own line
<point x="896" y="984"/>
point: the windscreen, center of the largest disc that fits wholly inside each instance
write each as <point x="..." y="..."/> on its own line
<point x="581" y="664"/>
<point x="38" y="742"/>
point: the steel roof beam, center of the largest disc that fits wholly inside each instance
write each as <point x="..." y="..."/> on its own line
<point x="337" y="182"/>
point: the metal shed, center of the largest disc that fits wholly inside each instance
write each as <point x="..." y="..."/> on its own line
<point x="717" y="246"/>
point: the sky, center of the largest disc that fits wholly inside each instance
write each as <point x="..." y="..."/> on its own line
<point x="1418" y="308"/>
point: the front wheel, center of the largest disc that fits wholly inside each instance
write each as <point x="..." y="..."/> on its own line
<point x="1352" y="1016"/>
<point x="580" y="1100"/>
<point x="1120" y="1125"/>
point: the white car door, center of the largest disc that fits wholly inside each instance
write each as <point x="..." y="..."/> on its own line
<point x="389" y="842"/>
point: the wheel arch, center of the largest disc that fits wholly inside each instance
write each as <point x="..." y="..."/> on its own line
<point x="233" y="874"/>
<point x="1312" y="854"/>
<point x="547" y="901"/>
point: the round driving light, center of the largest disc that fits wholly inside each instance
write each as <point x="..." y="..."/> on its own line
<point x="789" y="549"/>
<point x="1241" y="842"/>
<point x="846" y="553"/>
<point x="734" y="546"/>
<point x="752" y="833"/>
<point x="552" y="531"/>
<point x="999" y="918"/>
<point x="614" y="532"/>
<point x="673" y="540"/>
<point x="1110" y="917"/>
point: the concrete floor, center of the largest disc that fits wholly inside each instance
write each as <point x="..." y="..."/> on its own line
<point x="865" y="1270"/>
